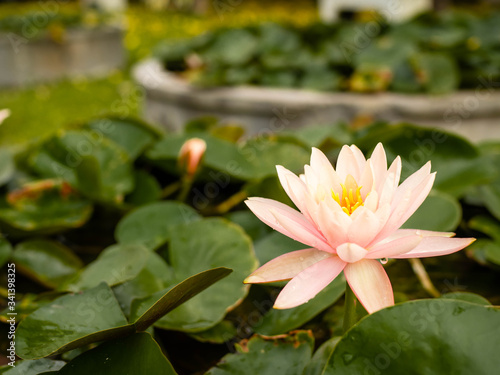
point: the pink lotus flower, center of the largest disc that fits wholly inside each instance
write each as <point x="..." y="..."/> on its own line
<point x="350" y="217"/>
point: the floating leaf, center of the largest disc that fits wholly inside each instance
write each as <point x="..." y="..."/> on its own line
<point x="404" y="339"/>
<point x="321" y="357"/>
<point x="223" y="244"/>
<point x="219" y="334"/>
<point x="44" y="207"/>
<point x="154" y="277"/>
<point x="132" y="135"/>
<point x="93" y="164"/>
<point x="268" y="356"/>
<point x="467" y="297"/>
<point x="151" y="225"/>
<point x="71" y="321"/>
<point x="116" y="264"/>
<point x="177" y="295"/>
<point x="135" y="354"/>
<point x="47" y="262"/>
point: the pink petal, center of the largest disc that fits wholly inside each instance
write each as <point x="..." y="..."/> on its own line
<point x="301" y="233"/>
<point x="390" y="183"/>
<point x="312" y="179"/>
<point x="379" y="163"/>
<point x="436" y="246"/>
<point x="418" y="232"/>
<point x="365" y="226"/>
<point x="333" y="224"/>
<point x="360" y="158"/>
<point x="351" y="252"/>
<point x="370" y="283"/>
<point x="395" y="247"/>
<point x="406" y="206"/>
<point x="347" y="163"/>
<point x="412" y="182"/>
<point x="309" y="282"/>
<point x="286" y="266"/>
<point x="324" y="169"/>
<point x="367" y="180"/>
<point x="287" y="221"/>
<point x="295" y="188"/>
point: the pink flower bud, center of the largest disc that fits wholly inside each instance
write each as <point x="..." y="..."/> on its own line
<point x="190" y="155"/>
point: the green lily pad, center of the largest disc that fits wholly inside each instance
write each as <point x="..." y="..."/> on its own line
<point x="71" y="321"/>
<point x="222" y="244"/>
<point x="136" y="354"/>
<point x="268" y="356"/>
<point x="218" y="334"/>
<point x="151" y="225"/>
<point x="154" y="277"/>
<point x="249" y="222"/>
<point x="467" y="297"/>
<point x="176" y="296"/>
<point x="265" y="153"/>
<point x="488" y="226"/>
<point x="404" y="339"/>
<point x="7" y="166"/>
<point x="439" y="212"/>
<point x="115" y="265"/>
<point x="438" y="71"/>
<point x="321" y="357"/>
<point x="46" y="211"/>
<point x="132" y="135"/>
<point x="32" y="367"/>
<point x="47" y="262"/>
<point x="28" y="303"/>
<point x="93" y="164"/>
<point x="276" y="322"/>
<point x="491" y="197"/>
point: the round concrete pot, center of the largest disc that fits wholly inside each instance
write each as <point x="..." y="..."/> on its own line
<point x="171" y="101"/>
<point x="83" y="52"/>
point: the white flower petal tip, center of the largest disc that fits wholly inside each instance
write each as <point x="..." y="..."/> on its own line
<point x="254" y="280"/>
<point x="351" y="252"/>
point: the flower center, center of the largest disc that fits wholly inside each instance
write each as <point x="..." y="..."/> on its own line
<point x="351" y="195"/>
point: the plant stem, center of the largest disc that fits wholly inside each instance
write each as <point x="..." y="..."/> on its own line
<point x="187" y="183"/>
<point x="231" y="202"/>
<point x="423" y="277"/>
<point x="170" y="189"/>
<point x="350" y="316"/>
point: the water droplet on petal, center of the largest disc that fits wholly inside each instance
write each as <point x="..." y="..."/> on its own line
<point x="384" y="260"/>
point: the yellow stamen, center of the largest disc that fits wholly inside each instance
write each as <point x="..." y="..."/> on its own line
<point x="351" y="196"/>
